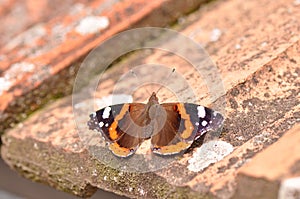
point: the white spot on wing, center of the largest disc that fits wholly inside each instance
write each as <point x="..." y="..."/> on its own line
<point x="215" y="113"/>
<point x="209" y="153"/>
<point x="201" y="111"/>
<point x="106" y="125"/>
<point x="106" y="112"/>
<point x="197" y="123"/>
<point x="101" y="124"/>
<point x="204" y="123"/>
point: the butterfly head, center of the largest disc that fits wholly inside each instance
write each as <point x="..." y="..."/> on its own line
<point x="153" y="99"/>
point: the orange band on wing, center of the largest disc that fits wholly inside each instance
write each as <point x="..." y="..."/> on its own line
<point x="172" y="149"/>
<point x="120" y="151"/>
<point x="187" y="123"/>
<point x="113" y="134"/>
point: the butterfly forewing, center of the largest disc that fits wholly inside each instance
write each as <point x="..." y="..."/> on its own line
<point x="203" y="119"/>
<point x="121" y="126"/>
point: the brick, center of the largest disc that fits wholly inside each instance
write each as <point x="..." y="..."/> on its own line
<point x="40" y="63"/>
<point x="258" y="59"/>
<point x="261" y="177"/>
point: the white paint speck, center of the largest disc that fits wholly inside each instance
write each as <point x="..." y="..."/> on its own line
<point x="141" y="191"/>
<point x="240" y="138"/>
<point x="237" y="46"/>
<point x="94" y="173"/>
<point x="201" y="111"/>
<point x="263" y="44"/>
<point x="204" y="123"/>
<point x="106" y="125"/>
<point x="289" y="188"/>
<point x="35" y="146"/>
<point x="215" y="34"/>
<point x="106" y="112"/>
<point x="101" y="124"/>
<point x="92" y="24"/>
<point x="76" y="170"/>
<point x="208" y="153"/>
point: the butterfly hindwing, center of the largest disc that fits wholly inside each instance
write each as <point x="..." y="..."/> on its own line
<point x="118" y="124"/>
<point x="185" y="123"/>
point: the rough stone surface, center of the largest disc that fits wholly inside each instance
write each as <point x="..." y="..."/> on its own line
<point x="256" y="46"/>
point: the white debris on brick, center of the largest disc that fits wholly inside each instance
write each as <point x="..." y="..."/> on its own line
<point x="297" y="2"/>
<point x="289" y="188"/>
<point x="12" y="74"/>
<point x="92" y="24"/>
<point x="27" y="37"/>
<point x="215" y="34"/>
<point x="208" y="153"/>
<point x="22" y="66"/>
<point x="237" y="46"/>
<point x="4" y="84"/>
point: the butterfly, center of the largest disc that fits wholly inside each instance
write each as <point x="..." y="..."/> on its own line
<point x="172" y="127"/>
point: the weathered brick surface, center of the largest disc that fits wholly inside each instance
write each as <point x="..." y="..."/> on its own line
<point x="39" y="63"/>
<point x="261" y="177"/>
<point x="256" y="47"/>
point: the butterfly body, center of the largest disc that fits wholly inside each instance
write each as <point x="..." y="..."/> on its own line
<point x="172" y="127"/>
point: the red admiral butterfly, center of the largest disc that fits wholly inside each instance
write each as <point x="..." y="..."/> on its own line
<point x="172" y="127"/>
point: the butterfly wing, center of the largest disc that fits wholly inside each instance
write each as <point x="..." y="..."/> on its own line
<point x="122" y="126"/>
<point x="185" y="123"/>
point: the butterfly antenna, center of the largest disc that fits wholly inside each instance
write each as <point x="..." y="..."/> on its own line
<point x="166" y="80"/>
<point x="139" y="80"/>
